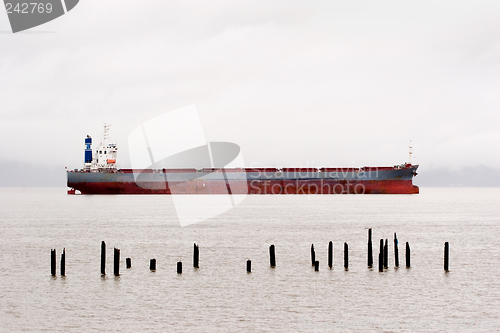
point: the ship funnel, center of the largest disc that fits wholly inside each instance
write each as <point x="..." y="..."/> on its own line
<point x="88" y="149"/>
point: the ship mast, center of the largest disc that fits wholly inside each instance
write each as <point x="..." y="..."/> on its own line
<point x="106" y="134"/>
<point x="410" y="151"/>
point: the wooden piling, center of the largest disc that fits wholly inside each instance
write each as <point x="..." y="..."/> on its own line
<point x="446" y="255"/>
<point x="103" y="258"/>
<point x="316" y="266"/>
<point x="346" y="256"/>
<point x="386" y="254"/>
<point x="196" y="256"/>
<point x="381" y="256"/>
<point x="407" y="255"/>
<point x="370" y="250"/>
<point x="152" y="264"/>
<point x="63" y="263"/>
<point x="272" y="256"/>
<point x="129" y="262"/>
<point x="313" y="255"/>
<point x="330" y="254"/>
<point x="179" y="267"/>
<point x="396" y="251"/>
<point x="249" y="266"/>
<point x="116" y="266"/>
<point x="53" y="262"/>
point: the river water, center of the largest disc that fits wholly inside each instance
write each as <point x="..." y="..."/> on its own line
<point x="220" y="295"/>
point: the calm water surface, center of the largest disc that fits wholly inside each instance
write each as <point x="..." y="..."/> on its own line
<point x="220" y="295"/>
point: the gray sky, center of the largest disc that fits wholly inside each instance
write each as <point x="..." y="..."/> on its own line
<point x="320" y="83"/>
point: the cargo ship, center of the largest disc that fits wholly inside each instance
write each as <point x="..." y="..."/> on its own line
<point x="100" y="175"/>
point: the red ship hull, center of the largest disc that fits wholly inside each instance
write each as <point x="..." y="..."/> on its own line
<point x="255" y="187"/>
<point x="384" y="180"/>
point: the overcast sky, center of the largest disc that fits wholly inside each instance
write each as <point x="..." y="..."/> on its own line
<point x="320" y="83"/>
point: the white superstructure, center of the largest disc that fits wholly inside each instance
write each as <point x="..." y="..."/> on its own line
<point x="104" y="159"/>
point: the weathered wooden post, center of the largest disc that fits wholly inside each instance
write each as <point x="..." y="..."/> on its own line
<point x="330" y="254"/>
<point x="446" y="255"/>
<point x="103" y="258"/>
<point x="386" y="254"/>
<point x="179" y="267"/>
<point x="63" y="263"/>
<point x="313" y="255"/>
<point x="196" y="256"/>
<point x="249" y="266"/>
<point x="316" y="266"/>
<point x="152" y="264"/>
<point x="129" y="262"/>
<point x="346" y="256"/>
<point x="272" y="256"/>
<point x="370" y="250"/>
<point x="116" y="267"/>
<point x="396" y="251"/>
<point x="407" y="255"/>
<point x="53" y="262"/>
<point x="380" y="262"/>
